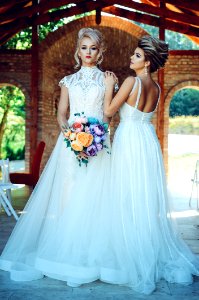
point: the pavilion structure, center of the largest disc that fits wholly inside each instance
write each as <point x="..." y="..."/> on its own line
<point x="37" y="71"/>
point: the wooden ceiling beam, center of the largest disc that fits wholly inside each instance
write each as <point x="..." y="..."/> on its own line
<point x="40" y="8"/>
<point x="46" y="5"/>
<point x="161" y="12"/>
<point x="149" y="2"/>
<point x="10" y="17"/>
<point x="151" y="20"/>
<point x="193" y="4"/>
<point x="82" y="7"/>
<point x="15" y="26"/>
<point x="86" y="6"/>
<point x="5" y="3"/>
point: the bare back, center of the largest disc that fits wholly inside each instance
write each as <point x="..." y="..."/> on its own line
<point x="149" y="95"/>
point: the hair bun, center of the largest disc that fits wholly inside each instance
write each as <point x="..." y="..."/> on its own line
<point x="87" y="31"/>
<point x="155" y="50"/>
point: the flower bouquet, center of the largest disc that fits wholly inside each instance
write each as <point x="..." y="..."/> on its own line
<point x="86" y="137"/>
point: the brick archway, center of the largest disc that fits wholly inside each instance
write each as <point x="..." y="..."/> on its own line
<point x="57" y="60"/>
<point x="179" y="86"/>
<point x="13" y="82"/>
<point x="90" y="21"/>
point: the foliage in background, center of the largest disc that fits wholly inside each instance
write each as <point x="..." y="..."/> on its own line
<point x="184" y="125"/>
<point x="176" y="41"/>
<point x="184" y="112"/>
<point x="12" y="123"/>
<point x="185" y="102"/>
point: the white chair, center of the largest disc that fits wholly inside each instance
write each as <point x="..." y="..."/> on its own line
<point x="195" y="184"/>
<point x="5" y="189"/>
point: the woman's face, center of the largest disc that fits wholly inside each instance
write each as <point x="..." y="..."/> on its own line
<point x="88" y="52"/>
<point x="138" y="61"/>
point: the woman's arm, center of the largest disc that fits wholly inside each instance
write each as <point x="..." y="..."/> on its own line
<point x="62" y="108"/>
<point x="112" y="105"/>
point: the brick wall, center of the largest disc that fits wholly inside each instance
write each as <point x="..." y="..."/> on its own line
<point x="181" y="71"/>
<point x="15" y="69"/>
<point x="57" y="57"/>
<point x="56" y="60"/>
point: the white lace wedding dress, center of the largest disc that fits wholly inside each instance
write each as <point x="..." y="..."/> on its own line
<point x="145" y="244"/>
<point x="62" y="230"/>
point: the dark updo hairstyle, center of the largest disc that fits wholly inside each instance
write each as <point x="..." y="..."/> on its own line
<point x="155" y="51"/>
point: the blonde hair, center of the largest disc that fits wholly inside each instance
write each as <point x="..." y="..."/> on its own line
<point x="155" y="51"/>
<point x="96" y="36"/>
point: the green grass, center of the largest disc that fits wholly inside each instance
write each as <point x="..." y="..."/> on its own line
<point x="184" y="125"/>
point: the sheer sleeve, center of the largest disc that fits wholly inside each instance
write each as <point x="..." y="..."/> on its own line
<point x="65" y="81"/>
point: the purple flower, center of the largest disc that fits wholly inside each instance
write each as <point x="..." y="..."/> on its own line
<point x="91" y="150"/>
<point x="97" y="139"/>
<point x="99" y="146"/>
<point x="103" y="137"/>
<point x="99" y="130"/>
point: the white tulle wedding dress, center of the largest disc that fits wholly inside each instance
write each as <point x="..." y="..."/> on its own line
<point x="87" y="223"/>
<point x="61" y="233"/>
<point x="146" y="246"/>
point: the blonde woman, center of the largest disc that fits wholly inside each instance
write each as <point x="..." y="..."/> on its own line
<point x="61" y="231"/>
<point x="146" y="247"/>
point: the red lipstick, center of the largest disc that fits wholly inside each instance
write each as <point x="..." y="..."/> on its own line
<point x="88" y="56"/>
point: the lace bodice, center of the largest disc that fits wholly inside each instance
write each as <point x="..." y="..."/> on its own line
<point x="86" y="92"/>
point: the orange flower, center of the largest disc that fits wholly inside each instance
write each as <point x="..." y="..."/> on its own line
<point x="67" y="133"/>
<point x="84" y="138"/>
<point x="72" y="136"/>
<point x="76" y="146"/>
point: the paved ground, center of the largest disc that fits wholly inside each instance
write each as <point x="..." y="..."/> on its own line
<point x="47" y="289"/>
<point x="188" y="223"/>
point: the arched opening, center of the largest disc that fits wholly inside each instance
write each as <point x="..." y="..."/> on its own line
<point x="57" y="60"/>
<point x="183" y="140"/>
<point x="12" y="125"/>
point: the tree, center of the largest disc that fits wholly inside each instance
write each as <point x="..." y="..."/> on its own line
<point x="176" y="41"/>
<point x="12" y="121"/>
<point x="185" y="102"/>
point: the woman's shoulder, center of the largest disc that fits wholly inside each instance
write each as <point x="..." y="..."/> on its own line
<point x="100" y="72"/>
<point x="129" y="81"/>
<point x="66" y="80"/>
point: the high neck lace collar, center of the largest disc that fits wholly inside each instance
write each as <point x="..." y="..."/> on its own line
<point x="88" y="70"/>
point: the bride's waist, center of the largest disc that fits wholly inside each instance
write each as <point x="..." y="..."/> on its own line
<point x="134" y="119"/>
<point x="72" y="117"/>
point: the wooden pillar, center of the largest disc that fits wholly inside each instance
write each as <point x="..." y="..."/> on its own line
<point x="98" y="16"/>
<point x="34" y="89"/>
<point x="160" y="114"/>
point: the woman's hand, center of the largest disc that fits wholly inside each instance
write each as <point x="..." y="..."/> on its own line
<point x="110" y="79"/>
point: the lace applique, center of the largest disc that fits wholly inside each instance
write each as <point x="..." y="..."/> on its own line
<point x="65" y="81"/>
<point x="86" y="92"/>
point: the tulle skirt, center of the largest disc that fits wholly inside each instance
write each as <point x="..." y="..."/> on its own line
<point x="145" y="242"/>
<point x="87" y="223"/>
<point x="62" y="230"/>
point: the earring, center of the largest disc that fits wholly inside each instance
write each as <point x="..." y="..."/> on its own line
<point x="145" y="70"/>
